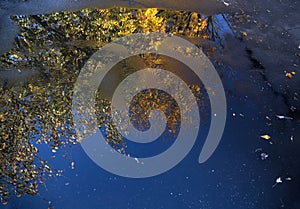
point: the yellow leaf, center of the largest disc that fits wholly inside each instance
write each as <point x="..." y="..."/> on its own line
<point x="266" y="137"/>
<point x="290" y="75"/>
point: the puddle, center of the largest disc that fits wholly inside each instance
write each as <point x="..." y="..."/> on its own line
<point x="37" y="80"/>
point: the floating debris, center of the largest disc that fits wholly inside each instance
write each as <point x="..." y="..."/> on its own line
<point x="264" y="156"/>
<point x="266" y="137"/>
<point x="226" y="4"/>
<point x="284" y="117"/>
<point x="138" y="161"/>
<point x="267" y="117"/>
<point x="290" y="75"/>
<point x="240" y="114"/>
<point x="244" y="33"/>
<point x="278" y="181"/>
<point x="72" y="165"/>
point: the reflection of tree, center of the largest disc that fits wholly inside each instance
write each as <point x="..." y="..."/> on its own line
<point x="57" y="45"/>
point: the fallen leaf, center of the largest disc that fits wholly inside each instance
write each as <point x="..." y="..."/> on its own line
<point x="266" y="137"/>
<point x="290" y="75"/>
<point x="244" y="33"/>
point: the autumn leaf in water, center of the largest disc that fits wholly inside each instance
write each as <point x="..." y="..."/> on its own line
<point x="290" y="75"/>
<point x="266" y="137"/>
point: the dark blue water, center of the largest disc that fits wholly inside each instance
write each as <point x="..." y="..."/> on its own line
<point x="234" y="177"/>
